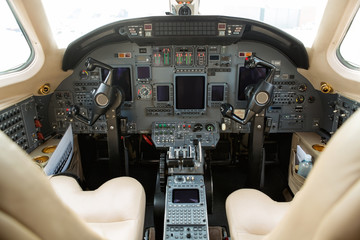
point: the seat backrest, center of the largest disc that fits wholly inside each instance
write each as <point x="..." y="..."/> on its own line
<point x="29" y="207"/>
<point x="328" y="206"/>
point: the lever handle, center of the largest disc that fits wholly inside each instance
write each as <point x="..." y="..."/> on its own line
<point x="258" y="97"/>
<point x="91" y="64"/>
<point x="75" y="112"/>
<point x="253" y="61"/>
<point x="227" y="110"/>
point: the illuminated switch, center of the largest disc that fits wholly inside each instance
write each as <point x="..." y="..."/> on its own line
<point x="222" y="26"/>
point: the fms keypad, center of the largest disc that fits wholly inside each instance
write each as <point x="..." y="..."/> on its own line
<point x="185" y="210"/>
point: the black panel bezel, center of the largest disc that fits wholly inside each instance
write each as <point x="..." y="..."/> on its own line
<point x="251" y="31"/>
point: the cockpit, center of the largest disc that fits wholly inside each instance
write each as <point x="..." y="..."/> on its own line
<point x="192" y="106"/>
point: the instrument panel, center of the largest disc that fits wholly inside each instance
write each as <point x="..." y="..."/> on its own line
<point x="177" y="70"/>
<point x="21" y="123"/>
<point x="187" y="82"/>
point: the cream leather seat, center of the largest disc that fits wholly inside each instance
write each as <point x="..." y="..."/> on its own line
<point x="31" y="209"/>
<point x="327" y="207"/>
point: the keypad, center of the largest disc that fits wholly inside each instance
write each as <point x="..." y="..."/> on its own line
<point x="185" y="219"/>
<point x="176" y="232"/>
<point x="187" y="216"/>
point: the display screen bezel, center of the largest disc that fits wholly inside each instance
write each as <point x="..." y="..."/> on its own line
<point x="159" y="94"/>
<point x="217" y="92"/>
<point x="213" y="90"/>
<point x="163" y="103"/>
<point x="139" y="77"/>
<point x="190" y="96"/>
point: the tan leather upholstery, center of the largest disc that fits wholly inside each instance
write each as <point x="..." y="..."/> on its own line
<point x="31" y="209"/>
<point x="119" y="201"/>
<point x="327" y="207"/>
<point x="252" y="214"/>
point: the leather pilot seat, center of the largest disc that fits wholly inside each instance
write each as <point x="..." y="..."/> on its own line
<point x="34" y="207"/>
<point x="327" y="207"/>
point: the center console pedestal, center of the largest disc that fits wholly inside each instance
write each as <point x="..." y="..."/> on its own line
<point x="181" y="178"/>
<point x="185" y="208"/>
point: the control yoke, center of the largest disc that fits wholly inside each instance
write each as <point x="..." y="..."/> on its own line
<point x="104" y="97"/>
<point x="259" y="97"/>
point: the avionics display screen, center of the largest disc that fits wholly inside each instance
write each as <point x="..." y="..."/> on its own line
<point x="122" y="79"/>
<point x="190" y="91"/>
<point x="162" y="93"/>
<point x="217" y="93"/>
<point x="214" y="57"/>
<point x="185" y="196"/>
<point x="249" y="76"/>
<point x="143" y="72"/>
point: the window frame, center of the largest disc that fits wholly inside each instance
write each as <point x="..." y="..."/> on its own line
<point x="338" y="52"/>
<point x="28" y="41"/>
<point x="38" y="61"/>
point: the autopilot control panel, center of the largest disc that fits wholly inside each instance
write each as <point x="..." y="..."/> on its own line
<point x="176" y="134"/>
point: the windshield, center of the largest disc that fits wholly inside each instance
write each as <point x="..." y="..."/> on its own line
<point x="71" y="19"/>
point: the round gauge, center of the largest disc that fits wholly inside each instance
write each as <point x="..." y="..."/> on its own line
<point x="210" y="127"/>
<point x="84" y="74"/>
<point x="198" y="127"/>
<point x="144" y="91"/>
<point x="300" y="99"/>
<point x="302" y="88"/>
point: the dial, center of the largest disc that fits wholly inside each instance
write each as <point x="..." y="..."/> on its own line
<point x="302" y="88"/>
<point x="210" y="127"/>
<point x="84" y="74"/>
<point x="197" y="127"/>
<point x="144" y="91"/>
<point x="300" y="99"/>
